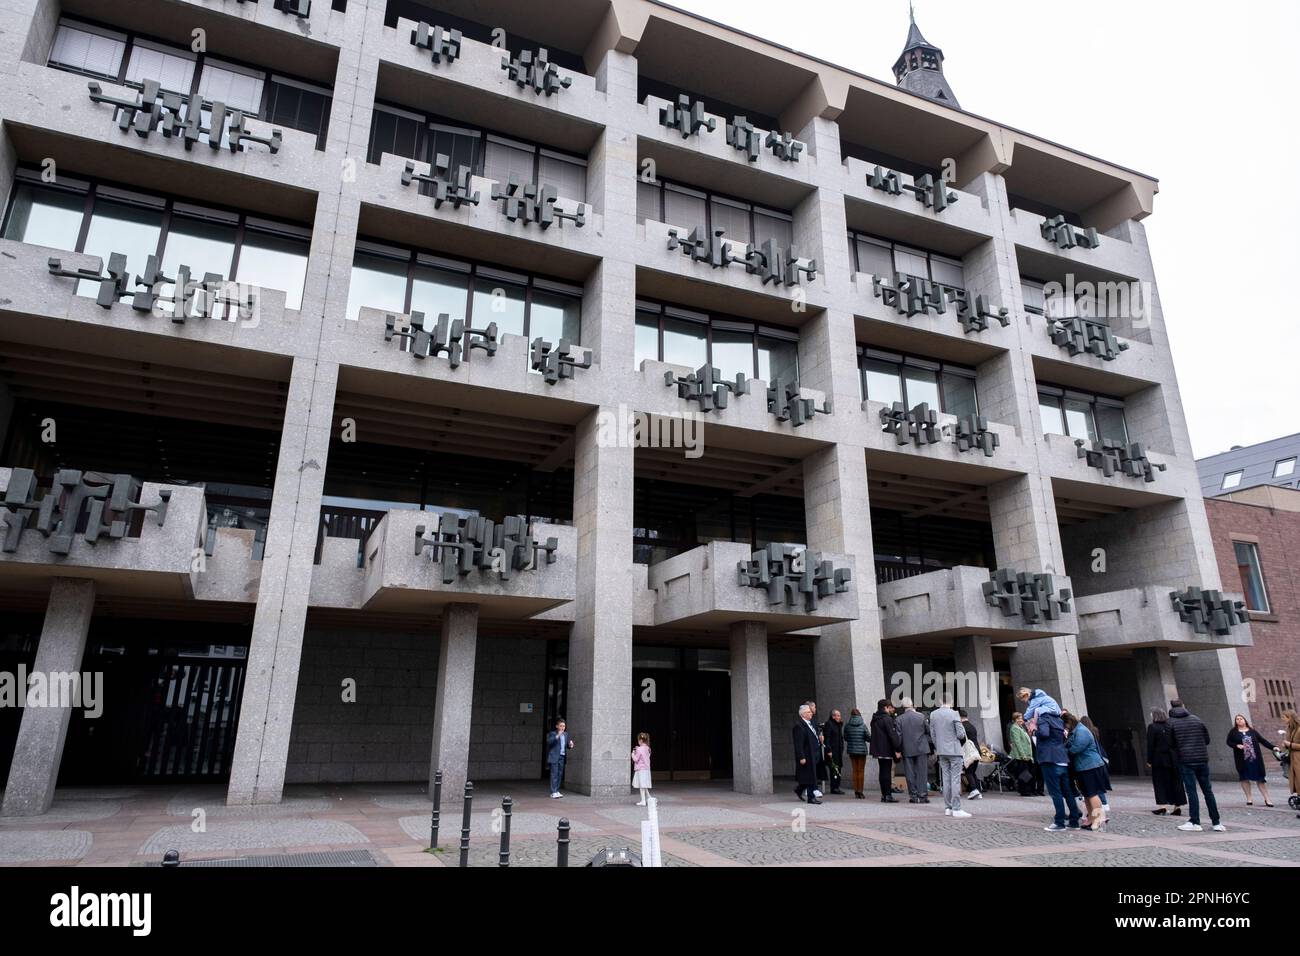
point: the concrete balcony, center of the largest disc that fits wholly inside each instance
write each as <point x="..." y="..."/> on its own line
<point x="872" y="307"/>
<point x="701" y="590"/>
<point x="49" y="107"/>
<point x="1059" y="458"/>
<point x="1113" y="254"/>
<point x="1012" y="454"/>
<point x="393" y="577"/>
<point x="324" y="24"/>
<point x="30" y="290"/>
<point x="1116" y="622"/>
<point x="1139" y="365"/>
<point x="163" y="561"/>
<point x="967" y="214"/>
<point x="950" y="603"/>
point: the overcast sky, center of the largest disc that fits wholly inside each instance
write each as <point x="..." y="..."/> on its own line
<point x="1203" y="96"/>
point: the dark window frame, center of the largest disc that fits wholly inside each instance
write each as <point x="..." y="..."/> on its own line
<point x="1243" y="569"/>
<point x="752" y="207"/>
<point x="919" y="361"/>
<point x="660" y="308"/>
<point x="1060" y="393"/>
<point x="855" y="235"/>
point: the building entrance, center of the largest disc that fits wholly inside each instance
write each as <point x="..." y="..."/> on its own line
<point x="681" y="697"/>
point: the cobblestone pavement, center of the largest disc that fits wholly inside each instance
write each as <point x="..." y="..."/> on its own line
<point x="701" y="824"/>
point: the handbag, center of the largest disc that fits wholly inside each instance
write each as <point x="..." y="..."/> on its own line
<point x="970" y="753"/>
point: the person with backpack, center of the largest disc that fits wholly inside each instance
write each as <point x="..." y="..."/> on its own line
<point x="856" y="738"/>
<point x="1191" y="748"/>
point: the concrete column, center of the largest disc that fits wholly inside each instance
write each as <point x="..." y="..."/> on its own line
<point x="847" y="661"/>
<point x="974" y="656"/>
<point x="38" y="751"/>
<point x="454" y="700"/>
<point x="1027" y="537"/>
<point x="600" y="645"/>
<point x="751" y="729"/>
<point x="279" y="623"/>
<point x="1209" y="684"/>
<point x="1157" y="685"/>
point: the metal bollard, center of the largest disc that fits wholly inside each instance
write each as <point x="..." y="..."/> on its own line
<point x="562" y="843"/>
<point x="464" y="825"/>
<point x="437" y="808"/>
<point x="171" y="858"/>
<point x="506" y="804"/>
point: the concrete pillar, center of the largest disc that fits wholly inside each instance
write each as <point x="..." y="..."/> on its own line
<point x="973" y="655"/>
<point x="279" y="623"/>
<point x="38" y="751"/>
<point x="1157" y="685"/>
<point x="751" y="728"/>
<point x="600" y="645"/>
<point x="1027" y="537"/>
<point x="454" y="700"/>
<point x="847" y="661"/>
<point x="1209" y="684"/>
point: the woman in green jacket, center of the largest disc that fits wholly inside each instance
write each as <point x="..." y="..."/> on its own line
<point x="1022" y="756"/>
<point x="856" y="738"/>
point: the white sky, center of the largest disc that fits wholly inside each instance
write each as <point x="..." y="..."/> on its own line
<point x="1203" y="96"/>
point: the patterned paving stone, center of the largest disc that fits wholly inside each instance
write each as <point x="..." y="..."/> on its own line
<point x="1135" y="856"/>
<point x="781" y="845"/>
<point x="1277" y="848"/>
<point x="253" y="835"/>
<point x="1281" y="817"/>
<point x="943" y="863"/>
<point x="184" y="805"/>
<point x="27" y="846"/>
<point x="537" y="852"/>
<point x="480" y="827"/>
<point x="683" y="816"/>
<point x="972" y="834"/>
<point x="70" y="811"/>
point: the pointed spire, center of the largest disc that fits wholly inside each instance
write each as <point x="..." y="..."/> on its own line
<point x="919" y="67"/>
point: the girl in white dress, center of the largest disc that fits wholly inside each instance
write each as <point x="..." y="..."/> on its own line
<point x="641" y="766"/>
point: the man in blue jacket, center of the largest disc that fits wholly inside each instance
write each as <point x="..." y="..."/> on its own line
<point x="1054" y="761"/>
<point x="558" y="745"/>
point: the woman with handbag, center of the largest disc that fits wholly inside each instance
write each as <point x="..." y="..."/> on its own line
<point x="1105" y="760"/>
<point x="1248" y="749"/>
<point x="1165" y="779"/>
<point x="1088" y="767"/>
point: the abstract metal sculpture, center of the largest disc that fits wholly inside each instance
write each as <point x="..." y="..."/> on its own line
<point x="556" y="362"/>
<point x="769" y="261"/>
<point x="1079" y="335"/>
<point x="929" y="191"/>
<point x="793" y="575"/>
<point x="1065" y="236"/>
<point x="686" y="117"/>
<point x="441" y="44"/>
<point x="973" y="432"/>
<point x="744" y="138"/>
<point x="451" y="337"/>
<point x="1114" y="457"/>
<point x="530" y="203"/>
<point x="784" y="402"/>
<point x="784" y="146"/>
<point x="536" y="70"/>
<point x="919" y="426"/>
<point x="107" y="502"/>
<point x="462" y="545"/>
<point x="1033" y="596"/>
<point x="911" y="295"/>
<point x="1208" y="610"/>
<point x="181" y="116"/>
<point x="191" y="297"/>
<point x="456" y="191"/>
<point x="707" y="387"/>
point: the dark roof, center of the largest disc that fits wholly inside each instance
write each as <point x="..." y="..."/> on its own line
<point x="916" y="41"/>
<point x="1256" y="463"/>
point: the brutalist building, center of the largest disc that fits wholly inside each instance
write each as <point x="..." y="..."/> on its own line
<point x="381" y="379"/>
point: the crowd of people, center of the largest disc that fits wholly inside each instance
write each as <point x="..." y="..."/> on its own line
<point x="1049" y="752"/>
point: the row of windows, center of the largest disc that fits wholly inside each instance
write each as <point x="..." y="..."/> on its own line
<point x="122" y="58"/>
<point x="98" y="220"/>
<point x="875" y="256"/>
<point x="686" y="208"/>
<point x="1282" y="468"/>
<point x="889" y="377"/>
<point x="423" y="137"/>
<point x="402" y="281"/>
<point x="1081" y="415"/>
<point x="665" y="333"/>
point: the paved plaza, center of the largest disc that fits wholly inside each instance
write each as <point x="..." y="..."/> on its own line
<point x="701" y="825"/>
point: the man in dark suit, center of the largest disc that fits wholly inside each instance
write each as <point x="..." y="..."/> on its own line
<point x="558" y="745"/>
<point x="807" y="751"/>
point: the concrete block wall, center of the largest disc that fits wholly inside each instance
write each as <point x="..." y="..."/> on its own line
<point x="790" y="678"/>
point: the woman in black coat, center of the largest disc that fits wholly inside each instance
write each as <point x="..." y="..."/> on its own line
<point x="1248" y="749"/>
<point x="1165" y="778"/>
<point x="886" y="747"/>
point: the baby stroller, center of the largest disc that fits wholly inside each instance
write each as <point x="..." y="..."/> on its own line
<point x="997" y="773"/>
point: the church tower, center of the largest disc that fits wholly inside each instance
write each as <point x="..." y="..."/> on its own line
<point x="920" y="67"/>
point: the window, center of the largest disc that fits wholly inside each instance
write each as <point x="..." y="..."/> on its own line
<point x="875" y="256"/>
<point x="891" y="377"/>
<point x="400" y="281"/>
<point x="1082" y="415"/>
<point x="1231" y="480"/>
<point x="1252" y="576"/>
<point x="686" y="208"/>
<point x="683" y="337"/>
<point x="423" y="138"/>
<point x="124" y="58"/>
<point x="1284" y="468"/>
<point x="98" y="220"/>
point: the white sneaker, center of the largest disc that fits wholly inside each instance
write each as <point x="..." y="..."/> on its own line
<point x="818" y="794"/>
<point x="1191" y="827"/>
<point x="947" y="812"/>
<point x="556" y="795"/>
<point x="960" y="813"/>
<point x="1219" y="828"/>
<point x="974" y="795"/>
<point x="641" y="803"/>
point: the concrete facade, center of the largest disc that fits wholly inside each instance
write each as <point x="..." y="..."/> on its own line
<point x="1044" y="508"/>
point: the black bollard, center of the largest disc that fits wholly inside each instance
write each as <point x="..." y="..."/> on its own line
<point x="172" y="858"/>
<point x="506" y="804"/>
<point x="437" y="807"/>
<point x="562" y="844"/>
<point x="464" y="825"/>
